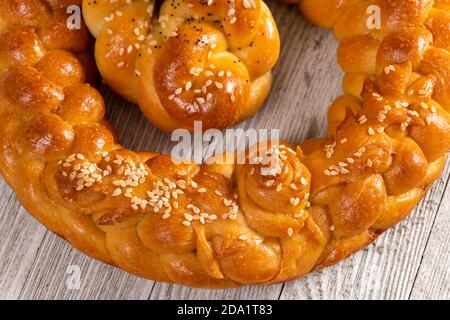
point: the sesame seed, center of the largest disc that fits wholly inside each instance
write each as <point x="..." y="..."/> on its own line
<point x="422" y="92"/>
<point x="362" y="119"/>
<point x="246" y="4"/>
<point x="290" y="232"/>
<point x="294" y="201"/>
<point x="270" y="183"/>
<point x="303" y="181"/>
<point x="200" y="100"/>
<point x="388" y="69"/>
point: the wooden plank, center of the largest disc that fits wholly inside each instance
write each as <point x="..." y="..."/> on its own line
<point x="50" y="276"/>
<point x="433" y="276"/>
<point x="35" y="263"/>
<point x="20" y="239"/>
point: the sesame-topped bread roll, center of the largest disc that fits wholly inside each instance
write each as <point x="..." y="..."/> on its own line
<point x="190" y="60"/>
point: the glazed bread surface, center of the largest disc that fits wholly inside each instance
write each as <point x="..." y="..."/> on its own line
<point x="288" y="211"/>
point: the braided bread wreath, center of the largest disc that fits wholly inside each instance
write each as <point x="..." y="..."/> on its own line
<point x="223" y="225"/>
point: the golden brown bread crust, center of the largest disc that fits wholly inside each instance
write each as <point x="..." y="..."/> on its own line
<point x="194" y="60"/>
<point x="228" y="225"/>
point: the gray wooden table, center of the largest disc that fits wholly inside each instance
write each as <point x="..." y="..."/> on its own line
<point x="411" y="261"/>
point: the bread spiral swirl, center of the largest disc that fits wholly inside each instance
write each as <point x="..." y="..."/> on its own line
<point x="193" y="60"/>
<point x="287" y="211"/>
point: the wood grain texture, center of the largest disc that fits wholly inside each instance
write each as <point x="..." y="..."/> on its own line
<point x="409" y="261"/>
